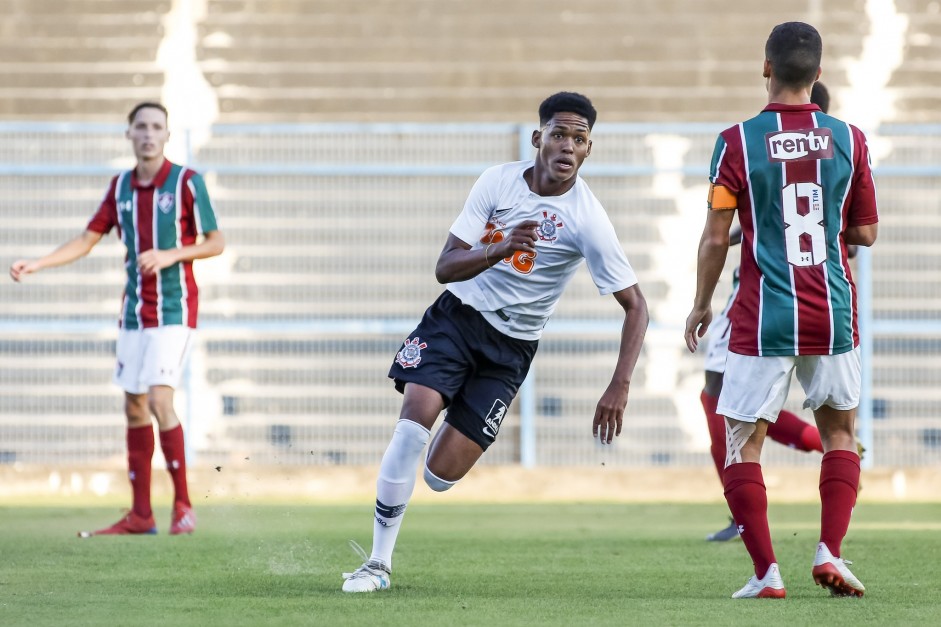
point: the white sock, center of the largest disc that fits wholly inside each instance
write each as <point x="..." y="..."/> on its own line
<point x="395" y="486"/>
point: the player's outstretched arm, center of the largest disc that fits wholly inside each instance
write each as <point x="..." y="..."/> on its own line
<point x="68" y="252"/>
<point x="457" y="262"/>
<point x="609" y="413"/>
<point x="713" y="249"/>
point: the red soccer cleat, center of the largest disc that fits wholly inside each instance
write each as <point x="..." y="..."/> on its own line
<point x="184" y="519"/>
<point x="831" y="573"/>
<point x="132" y="524"/>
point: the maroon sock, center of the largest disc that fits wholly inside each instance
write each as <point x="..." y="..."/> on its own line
<point x="716" y="424"/>
<point x="791" y="431"/>
<point x="175" y="453"/>
<point x="748" y="500"/>
<point x="839" y="480"/>
<point x="140" y="454"/>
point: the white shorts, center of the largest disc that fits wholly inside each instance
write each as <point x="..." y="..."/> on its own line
<point x="717" y="336"/>
<point x="154" y="356"/>
<point x="756" y="387"/>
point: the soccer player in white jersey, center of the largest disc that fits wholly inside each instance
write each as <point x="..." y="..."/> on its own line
<point x="525" y="229"/>
<point x="159" y="209"/>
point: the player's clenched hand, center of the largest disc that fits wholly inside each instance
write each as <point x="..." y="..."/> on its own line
<point x="150" y="261"/>
<point x="696" y="325"/>
<point x="21" y="268"/>
<point x="521" y="237"/>
<point x="609" y="414"/>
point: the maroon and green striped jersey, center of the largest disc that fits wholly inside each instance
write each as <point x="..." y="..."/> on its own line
<point x="168" y="213"/>
<point x="800" y="178"/>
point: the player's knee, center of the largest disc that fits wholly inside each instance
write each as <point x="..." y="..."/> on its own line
<point x="162" y="409"/>
<point x="739" y="447"/>
<point x="435" y="482"/>
<point x="136" y="410"/>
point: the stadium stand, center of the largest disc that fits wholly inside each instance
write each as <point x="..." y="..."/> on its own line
<point x="78" y="60"/>
<point x="490" y="60"/>
<point x="415" y="60"/>
<point x="297" y="396"/>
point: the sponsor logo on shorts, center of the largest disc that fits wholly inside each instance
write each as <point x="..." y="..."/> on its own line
<point x="165" y="202"/>
<point x="548" y="230"/>
<point x="494" y="418"/>
<point x="410" y="355"/>
<point x="800" y="145"/>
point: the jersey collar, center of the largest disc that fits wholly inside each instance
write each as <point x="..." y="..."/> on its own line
<point x="777" y="106"/>
<point x="158" y="181"/>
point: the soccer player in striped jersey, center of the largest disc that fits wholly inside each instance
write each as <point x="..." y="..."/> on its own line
<point x="163" y="216"/>
<point x="788" y="429"/>
<point x="525" y="229"/>
<point x="802" y="185"/>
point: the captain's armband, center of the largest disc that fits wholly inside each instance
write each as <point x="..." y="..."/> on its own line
<point x="721" y="199"/>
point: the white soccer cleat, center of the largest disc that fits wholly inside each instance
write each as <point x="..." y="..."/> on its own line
<point x="832" y="573"/>
<point x="370" y="577"/>
<point x="771" y="586"/>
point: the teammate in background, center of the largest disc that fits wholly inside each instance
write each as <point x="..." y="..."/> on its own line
<point x="802" y="183"/>
<point x="159" y="210"/>
<point x="820" y="96"/>
<point x="788" y="429"/>
<point x="524" y="230"/>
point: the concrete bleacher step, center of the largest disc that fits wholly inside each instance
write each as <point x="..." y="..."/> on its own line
<point x="333" y="20"/>
<point x="650" y="104"/>
<point x="83" y="48"/>
<point x="409" y="75"/>
<point x="407" y="47"/>
<point x="67" y="8"/>
<point x="104" y="105"/>
<point x="38" y="78"/>
<point x="52" y="27"/>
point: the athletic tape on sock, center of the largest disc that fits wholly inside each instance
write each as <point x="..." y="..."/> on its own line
<point x="736" y="435"/>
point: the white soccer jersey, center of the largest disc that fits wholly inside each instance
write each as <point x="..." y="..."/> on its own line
<point x="518" y="294"/>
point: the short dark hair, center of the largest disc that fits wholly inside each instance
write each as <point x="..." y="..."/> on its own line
<point x="820" y="96"/>
<point x="794" y="50"/>
<point x="146" y="105"/>
<point x="568" y="102"/>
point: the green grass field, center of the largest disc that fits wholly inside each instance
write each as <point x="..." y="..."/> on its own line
<point x="546" y="564"/>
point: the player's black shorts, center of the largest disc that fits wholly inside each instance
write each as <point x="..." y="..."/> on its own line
<point x="477" y="369"/>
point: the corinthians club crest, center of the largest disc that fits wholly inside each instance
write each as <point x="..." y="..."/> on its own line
<point x="410" y="355"/>
<point x="548" y="230"/>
